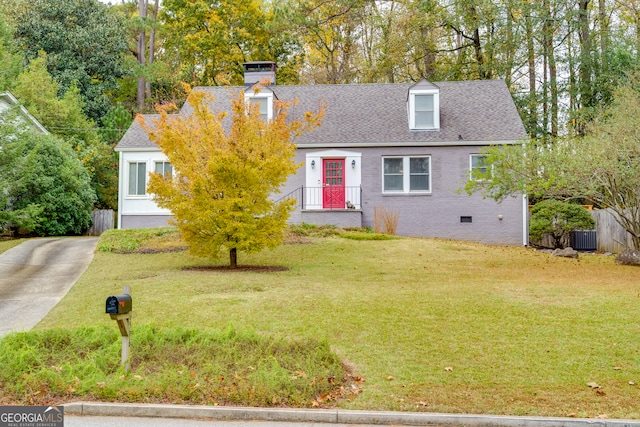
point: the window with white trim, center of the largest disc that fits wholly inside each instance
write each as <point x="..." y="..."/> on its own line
<point x="424" y="110"/>
<point x="264" y="101"/>
<point x="164" y="168"/>
<point x="137" y="178"/>
<point x="408" y="174"/>
<point x="479" y="168"/>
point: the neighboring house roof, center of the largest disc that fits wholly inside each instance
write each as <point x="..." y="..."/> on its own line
<point x="476" y="112"/>
<point x="8" y="101"/>
<point x="136" y="138"/>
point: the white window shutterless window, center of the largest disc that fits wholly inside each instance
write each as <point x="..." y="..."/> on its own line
<point x="424" y="110"/>
<point x="164" y="168"/>
<point x="137" y="178"/>
<point x="409" y="174"/>
<point x="479" y="169"/>
<point x="264" y="103"/>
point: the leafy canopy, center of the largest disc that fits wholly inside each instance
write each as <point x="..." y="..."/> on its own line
<point x="85" y="41"/>
<point x="220" y="195"/>
<point x="64" y="117"/>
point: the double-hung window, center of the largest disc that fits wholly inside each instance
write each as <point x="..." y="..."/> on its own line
<point x="137" y="178"/>
<point x="424" y="111"/>
<point x="263" y="106"/>
<point x="164" y="169"/>
<point x="264" y="102"/>
<point x="479" y="167"/>
<point x="424" y="106"/>
<point x="408" y="174"/>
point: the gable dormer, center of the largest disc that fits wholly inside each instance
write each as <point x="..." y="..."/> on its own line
<point x="423" y="106"/>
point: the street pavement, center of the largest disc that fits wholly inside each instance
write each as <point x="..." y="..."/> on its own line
<point x="36" y="274"/>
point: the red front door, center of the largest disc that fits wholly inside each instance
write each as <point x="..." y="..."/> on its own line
<point x="333" y="179"/>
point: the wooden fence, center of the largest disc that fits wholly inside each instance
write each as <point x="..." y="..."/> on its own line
<point x="102" y="221"/>
<point x="611" y="236"/>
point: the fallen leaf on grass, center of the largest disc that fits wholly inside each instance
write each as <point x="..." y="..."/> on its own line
<point x="448" y="368"/>
<point x="390" y="378"/>
<point x="617" y="368"/>
<point x="423" y="403"/>
<point x="632" y="383"/>
<point x="593" y="385"/>
<point x="600" y="393"/>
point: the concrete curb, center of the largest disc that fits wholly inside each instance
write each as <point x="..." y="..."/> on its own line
<point x="330" y="416"/>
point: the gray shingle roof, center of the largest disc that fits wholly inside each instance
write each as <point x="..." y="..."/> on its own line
<point x="479" y="111"/>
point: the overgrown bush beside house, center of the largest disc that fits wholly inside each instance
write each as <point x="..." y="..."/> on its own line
<point x="558" y="219"/>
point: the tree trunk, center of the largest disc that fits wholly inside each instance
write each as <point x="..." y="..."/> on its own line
<point x="233" y="258"/>
<point x="531" y="59"/>
<point x="477" y="44"/>
<point x="586" y="63"/>
<point x="549" y="31"/>
<point x="429" y="57"/>
<point x="604" y="30"/>
<point x="573" y="85"/>
<point x="152" y="44"/>
<point x="142" y="9"/>
<point x="510" y="54"/>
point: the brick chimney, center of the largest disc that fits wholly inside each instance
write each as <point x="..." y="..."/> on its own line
<point x="257" y="71"/>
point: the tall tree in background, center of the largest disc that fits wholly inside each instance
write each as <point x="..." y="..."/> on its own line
<point x="64" y="117"/>
<point x="10" y="57"/>
<point x="85" y="42"/>
<point x="207" y="43"/>
<point x="220" y="196"/>
<point x="146" y="23"/>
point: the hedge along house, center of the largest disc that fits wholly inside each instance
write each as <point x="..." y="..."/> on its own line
<point x="404" y="149"/>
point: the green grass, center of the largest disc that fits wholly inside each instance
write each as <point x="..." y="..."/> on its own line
<point x="429" y="325"/>
<point x="175" y="365"/>
<point x="7" y="244"/>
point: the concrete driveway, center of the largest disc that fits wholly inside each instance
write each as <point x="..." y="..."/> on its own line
<point x="36" y="274"/>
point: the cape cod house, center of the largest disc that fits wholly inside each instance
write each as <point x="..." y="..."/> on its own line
<point x="404" y="148"/>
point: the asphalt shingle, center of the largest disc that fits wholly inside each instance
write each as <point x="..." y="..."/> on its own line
<point x="479" y="111"/>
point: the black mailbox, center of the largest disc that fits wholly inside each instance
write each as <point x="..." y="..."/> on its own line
<point x="119" y="304"/>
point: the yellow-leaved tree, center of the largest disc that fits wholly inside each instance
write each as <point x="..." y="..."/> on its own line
<point x="220" y="192"/>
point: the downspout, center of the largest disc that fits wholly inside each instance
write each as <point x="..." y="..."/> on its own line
<point x="120" y="190"/>
<point x="525" y="220"/>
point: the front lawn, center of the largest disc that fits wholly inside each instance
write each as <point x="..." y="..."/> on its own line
<point x="428" y="325"/>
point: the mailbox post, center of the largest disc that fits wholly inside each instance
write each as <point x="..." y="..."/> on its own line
<point x="119" y="308"/>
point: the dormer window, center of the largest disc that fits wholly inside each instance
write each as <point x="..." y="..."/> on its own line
<point x="424" y="106"/>
<point x="264" y="100"/>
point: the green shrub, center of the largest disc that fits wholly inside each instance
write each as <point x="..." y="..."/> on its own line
<point x="314" y="230"/>
<point x="558" y="219"/>
<point x="47" y="189"/>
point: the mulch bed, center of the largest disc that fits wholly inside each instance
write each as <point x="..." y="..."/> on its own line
<point x="239" y="269"/>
